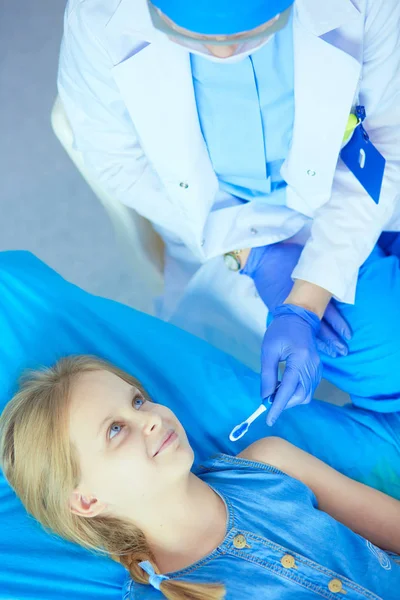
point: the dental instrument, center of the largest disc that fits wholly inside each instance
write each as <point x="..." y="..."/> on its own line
<point x="240" y="430"/>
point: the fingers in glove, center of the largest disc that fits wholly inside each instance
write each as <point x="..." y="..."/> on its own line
<point x="337" y="322"/>
<point x="288" y="387"/>
<point x="269" y="374"/>
<point x="329" y="343"/>
<point x="326" y="349"/>
<point x="299" y="397"/>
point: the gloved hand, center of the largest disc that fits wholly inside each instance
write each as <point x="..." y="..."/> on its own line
<point x="271" y="267"/>
<point x="291" y="337"/>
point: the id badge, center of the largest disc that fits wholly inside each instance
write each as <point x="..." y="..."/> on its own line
<point x="363" y="159"/>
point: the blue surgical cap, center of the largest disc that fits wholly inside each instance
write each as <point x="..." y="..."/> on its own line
<point x="225" y="17"/>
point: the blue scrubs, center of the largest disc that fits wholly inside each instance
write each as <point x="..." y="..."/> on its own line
<point x="246" y="113"/>
<point x="370" y="373"/>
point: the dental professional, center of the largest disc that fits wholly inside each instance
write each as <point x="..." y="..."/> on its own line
<point x="261" y="139"/>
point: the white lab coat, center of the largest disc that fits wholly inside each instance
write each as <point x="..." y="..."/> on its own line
<point x="128" y="93"/>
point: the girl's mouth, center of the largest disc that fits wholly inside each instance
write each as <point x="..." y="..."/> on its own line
<point x="167" y="440"/>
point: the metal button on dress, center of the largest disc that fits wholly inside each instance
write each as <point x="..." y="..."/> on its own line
<point x="288" y="561"/>
<point x="240" y="542"/>
<point x="184" y="185"/>
<point x="335" y="586"/>
<point x="253" y="231"/>
<point x="203" y="241"/>
<point x="311" y="173"/>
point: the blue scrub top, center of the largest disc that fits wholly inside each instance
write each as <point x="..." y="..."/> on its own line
<point x="246" y="113"/>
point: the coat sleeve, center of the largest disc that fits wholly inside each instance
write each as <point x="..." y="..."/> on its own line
<point x="102" y="129"/>
<point x="347" y="227"/>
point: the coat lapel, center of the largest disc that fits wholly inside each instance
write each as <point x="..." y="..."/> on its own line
<point x="158" y="92"/>
<point x="155" y="80"/>
<point x="326" y="82"/>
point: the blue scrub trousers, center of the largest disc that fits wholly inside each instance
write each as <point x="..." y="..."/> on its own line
<point x="370" y="373"/>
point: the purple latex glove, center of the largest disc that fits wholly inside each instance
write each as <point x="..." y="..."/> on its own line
<point x="290" y="337"/>
<point x="271" y="268"/>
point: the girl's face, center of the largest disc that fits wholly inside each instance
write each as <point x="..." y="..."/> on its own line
<point x="131" y="451"/>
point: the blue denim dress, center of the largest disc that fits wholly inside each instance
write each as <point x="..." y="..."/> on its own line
<point x="279" y="546"/>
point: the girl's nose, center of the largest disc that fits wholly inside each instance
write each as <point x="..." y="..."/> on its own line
<point x="152" y="422"/>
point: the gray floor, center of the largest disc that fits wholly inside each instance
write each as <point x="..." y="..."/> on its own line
<point x="45" y="205"/>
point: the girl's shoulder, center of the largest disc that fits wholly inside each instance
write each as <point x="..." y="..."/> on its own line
<point x="261" y="469"/>
<point x="273" y="455"/>
<point x="259" y="457"/>
<point x="267" y="450"/>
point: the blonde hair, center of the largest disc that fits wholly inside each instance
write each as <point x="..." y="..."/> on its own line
<point x="42" y="467"/>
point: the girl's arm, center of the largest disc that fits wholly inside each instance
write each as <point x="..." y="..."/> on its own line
<point x="368" y="512"/>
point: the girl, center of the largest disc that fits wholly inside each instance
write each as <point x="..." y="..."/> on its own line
<point x="96" y="461"/>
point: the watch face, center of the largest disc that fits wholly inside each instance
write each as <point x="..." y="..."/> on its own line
<point x="231" y="262"/>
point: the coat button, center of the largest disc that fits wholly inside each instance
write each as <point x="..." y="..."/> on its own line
<point x="288" y="561"/>
<point x="240" y="542"/>
<point x="184" y="185"/>
<point x="311" y="173"/>
<point x="335" y="586"/>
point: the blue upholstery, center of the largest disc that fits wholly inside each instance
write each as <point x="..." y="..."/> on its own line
<point x="42" y="317"/>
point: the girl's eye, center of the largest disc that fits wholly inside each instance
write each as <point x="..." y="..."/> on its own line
<point x="138" y="402"/>
<point x="114" y="430"/>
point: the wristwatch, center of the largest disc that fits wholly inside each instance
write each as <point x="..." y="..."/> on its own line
<point x="232" y="260"/>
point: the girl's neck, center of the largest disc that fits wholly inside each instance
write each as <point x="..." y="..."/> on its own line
<point x="194" y="526"/>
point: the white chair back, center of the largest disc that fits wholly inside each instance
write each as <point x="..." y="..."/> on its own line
<point x="141" y="246"/>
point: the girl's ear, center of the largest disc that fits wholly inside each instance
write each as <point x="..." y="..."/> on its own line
<point x="85" y="506"/>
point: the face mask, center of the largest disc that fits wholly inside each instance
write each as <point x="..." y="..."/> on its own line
<point x="243" y="51"/>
